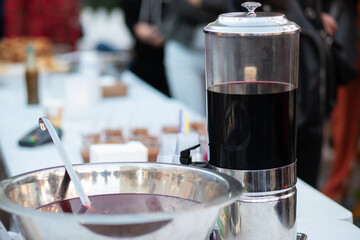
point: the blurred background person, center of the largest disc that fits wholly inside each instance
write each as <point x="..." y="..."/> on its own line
<point x="143" y="18"/>
<point x="56" y="20"/>
<point x="185" y="48"/>
<point x="345" y="117"/>
<point x="327" y="60"/>
<point x="317" y="88"/>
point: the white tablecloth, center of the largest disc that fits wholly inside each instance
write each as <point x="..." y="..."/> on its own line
<point x="317" y="216"/>
<point x="141" y="107"/>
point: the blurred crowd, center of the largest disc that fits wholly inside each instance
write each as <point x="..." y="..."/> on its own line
<point x="169" y="55"/>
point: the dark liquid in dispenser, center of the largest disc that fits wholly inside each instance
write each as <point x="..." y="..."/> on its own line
<point x="120" y="204"/>
<point x="252" y="125"/>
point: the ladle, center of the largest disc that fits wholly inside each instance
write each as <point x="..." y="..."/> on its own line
<point x="45" y="123"/>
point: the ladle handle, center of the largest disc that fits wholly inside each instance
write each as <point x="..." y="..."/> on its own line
<point x="46" y="124"/>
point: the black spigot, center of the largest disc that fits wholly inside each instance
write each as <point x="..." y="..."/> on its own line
<point x="185" y="157"/>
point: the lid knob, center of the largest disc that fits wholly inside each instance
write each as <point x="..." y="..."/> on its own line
<point x="251" y="6"/>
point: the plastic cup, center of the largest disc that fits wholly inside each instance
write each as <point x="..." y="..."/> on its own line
<point x="167" y="147"/>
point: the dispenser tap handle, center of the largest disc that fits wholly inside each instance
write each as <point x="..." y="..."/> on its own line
<point x="185" y="157"/>
<point x="251" y="6"/>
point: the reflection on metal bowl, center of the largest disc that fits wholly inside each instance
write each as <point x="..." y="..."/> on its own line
<point x="23" y="194"/>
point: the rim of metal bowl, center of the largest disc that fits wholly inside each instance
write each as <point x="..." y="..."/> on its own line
<point x="231" y="194"/>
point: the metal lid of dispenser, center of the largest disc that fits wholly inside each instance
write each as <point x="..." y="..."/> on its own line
<point x="251" y="23"/>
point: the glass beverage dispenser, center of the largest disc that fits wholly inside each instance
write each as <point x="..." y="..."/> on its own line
<point x="252" y="82"/>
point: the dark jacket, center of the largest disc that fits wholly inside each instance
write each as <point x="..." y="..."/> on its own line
<point x="182" y="19"/>
<point x="148" y="60"/>
<point x="315" y="94"/>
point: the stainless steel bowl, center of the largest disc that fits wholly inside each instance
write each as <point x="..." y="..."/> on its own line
<point x="21" y="195"/>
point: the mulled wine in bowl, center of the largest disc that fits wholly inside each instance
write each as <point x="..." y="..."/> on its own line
<point x="128" y="201"/>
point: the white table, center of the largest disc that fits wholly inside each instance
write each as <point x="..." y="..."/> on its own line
<point x="317" y="216"/>
<point x="141" y="107"/>
<point x="321" y="218"/>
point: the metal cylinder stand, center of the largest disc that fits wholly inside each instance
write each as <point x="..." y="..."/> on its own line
<point x="267" y="208"/>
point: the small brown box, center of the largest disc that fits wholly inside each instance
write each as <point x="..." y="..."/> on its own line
<point x="117" y="89"/>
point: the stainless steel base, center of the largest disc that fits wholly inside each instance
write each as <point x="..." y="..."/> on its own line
<point x="266" y="209"/>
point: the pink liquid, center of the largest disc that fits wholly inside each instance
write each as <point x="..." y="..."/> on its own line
<point x="120" y="204"/>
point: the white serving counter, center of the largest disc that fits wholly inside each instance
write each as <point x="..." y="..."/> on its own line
<point x="317" y="216"/>
<point x="142" y="107"/>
